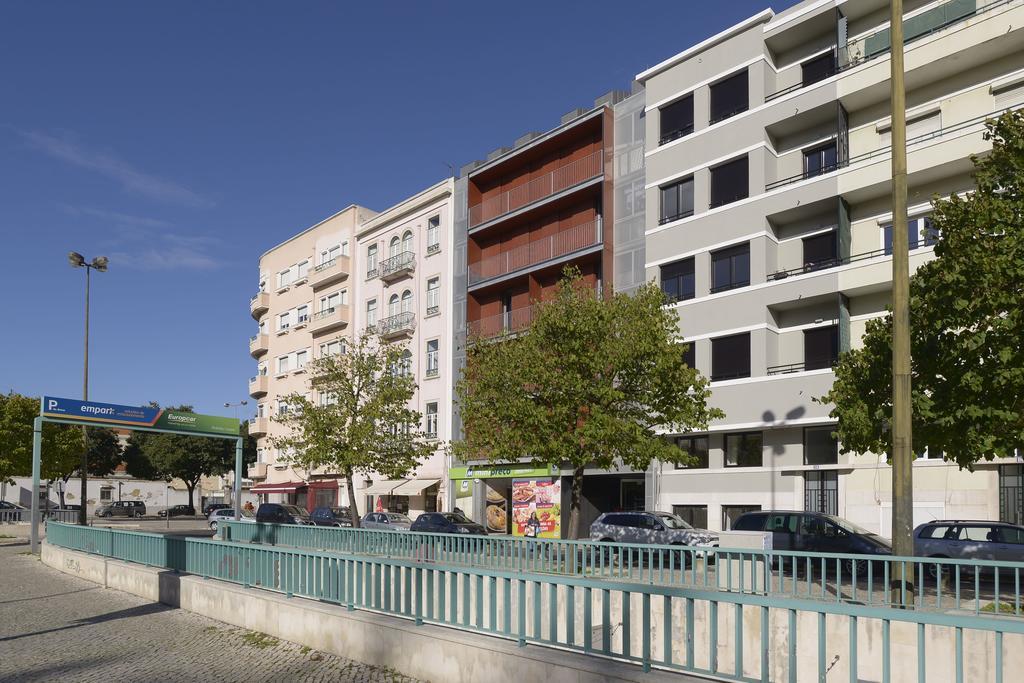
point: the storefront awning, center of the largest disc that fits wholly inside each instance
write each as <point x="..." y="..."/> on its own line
<point x="383" y="488"/>
<point x="414" y="487"/>
<point x="281" y="487"/>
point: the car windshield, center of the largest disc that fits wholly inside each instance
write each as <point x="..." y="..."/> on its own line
<point x="673" y="522"/>
<point x="849" y="526"/>
<point x="397" y="517"/>
<point x="340" y="512"/>
<point x="456" y="518"/>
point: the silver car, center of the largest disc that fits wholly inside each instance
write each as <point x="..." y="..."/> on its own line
<point x="389" y="521"/>
<point x="227" y="514"/>
<point x="970" y="540"/>
<point x="659" y="528"/>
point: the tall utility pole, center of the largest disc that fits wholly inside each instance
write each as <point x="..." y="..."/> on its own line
<point x="902" y="443"/>
<point x="100" y="264"/>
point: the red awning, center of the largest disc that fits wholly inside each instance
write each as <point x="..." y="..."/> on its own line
<point x="282" y="487"/>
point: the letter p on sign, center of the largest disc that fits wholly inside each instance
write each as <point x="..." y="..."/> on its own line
<point x="51" y="404"/>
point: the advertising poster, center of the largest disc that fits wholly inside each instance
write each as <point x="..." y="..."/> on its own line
<point x="537" y="508"/>
<point x="495" y="511"/>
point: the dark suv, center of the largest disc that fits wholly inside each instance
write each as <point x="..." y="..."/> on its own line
<point x="331" y="516"/>
<point x="280" y="513"/>
<point x="446" y="523"/>
<point x="813" y="532"/>
<point x="122" y="508"/>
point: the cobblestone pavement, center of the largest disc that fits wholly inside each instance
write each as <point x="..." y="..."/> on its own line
<point x="55" y="627"/>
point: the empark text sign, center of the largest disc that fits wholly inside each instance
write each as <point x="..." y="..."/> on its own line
<point x="138" y="416"/>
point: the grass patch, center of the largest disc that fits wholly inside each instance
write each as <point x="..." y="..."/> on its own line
<point x="259" y="640"/>
<point x="305" y="650"/>
<point x="7" y="536"/>
<point x="1004" y="608"/>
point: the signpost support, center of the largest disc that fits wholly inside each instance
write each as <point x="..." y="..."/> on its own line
<point x="37" y="447"/>
<point x="238" y="479"/>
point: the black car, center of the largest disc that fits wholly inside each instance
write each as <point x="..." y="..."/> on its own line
<point x="210" y="507"/>
<point x="178" y="511"/>
<point x="814" y="532"/>
<point x="446" y="523"/>
<point x="331" y="516"/>
<point x="281" y="513"/>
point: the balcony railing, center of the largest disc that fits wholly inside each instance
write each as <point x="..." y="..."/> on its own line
<point x="792" y="368"/>
<point x="668" y="218"/>
<point x="509" y="322"/>
<point x="729" y="285"/>
<point x="558" y="180"/>
<point x="827" y="264"/>
<point x="397" y="325"/>
<point x="330" y="271"/>
<point x="400" y="264"/>
<point x="259" y="304"/>
<point x="258" y="345"/>
<point x="675" y="134"/>
<point x="535" y="253"/>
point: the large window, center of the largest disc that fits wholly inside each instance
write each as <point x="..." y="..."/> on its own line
<point x="730" y="513"/>
<point x="301" y="314"/>
<point x="821" y="251"/>
<point x="302" y="270"/>
<point x="743" y="450"/>
<point x="690" y="353"/>
<point x="730" y="357"/>
<point x="301" y="358"/>
<point x="820" y="447"/>
<point x="284" y="321"/>
<point x="371" y="312"/>
<point x="284" y="364"/>
<point x="677" y="280"/>
<point x="407" y="242"/>
<point x="394" y="247"/>
<point x="433" y="295"/>
<point x="393" y="304"/>
<point x="697" y="448"/>
<point x="371" y="261"/>
<point x="676" y="119"/>
<point x="433" y="234"/>
<point x="433" y="358"/>
<point x="694" y="515"/>
<point x="729" y="97"/>
<point x="820" y="159"/>
<point x="431" y="419"/>
<point x="920" y="233"/>
<point x="730" y="268"/>
<point x="1011" y="494"/>
<point x="676" y="200"/>
<point x="730" y="182"/>
<point x="821" y="347"/>
<point x="818" y="69"/>
<point x="407" y="301"/>
<point x="821" y="492"/>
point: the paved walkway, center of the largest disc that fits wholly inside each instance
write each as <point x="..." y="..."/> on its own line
<point x="55" y="627"/>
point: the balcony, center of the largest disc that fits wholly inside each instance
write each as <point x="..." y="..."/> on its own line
<point x="258" y="386"/>
<point x="259" y="304"/>
<point x="258" y="426"/>
<point x="397" y="267"/>
<point x="329" y="319"/>
<point x="396" y="326"/>
<point x="507" y="323"/>
<point x="557" y="181"/>
<point x="257" y="470"/>
<point x="258" y="345"/>
<point x="329" y="272"/>
<point x="537" y="253"/>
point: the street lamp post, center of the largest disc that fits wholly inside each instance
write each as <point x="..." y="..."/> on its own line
<point x="100" y="264"/>
<point x="237" y="502"/>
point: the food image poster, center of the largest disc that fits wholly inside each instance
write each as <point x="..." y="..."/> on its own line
<point x="537" y="503"/>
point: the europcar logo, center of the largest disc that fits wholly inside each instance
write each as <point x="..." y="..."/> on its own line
<point x="187" y="419"/>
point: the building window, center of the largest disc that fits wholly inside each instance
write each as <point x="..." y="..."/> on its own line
<point x="433" y="295"/>
<point x="676" y="201"/>
<point x="676" y="119"/>
<point x="730" y="268"/>
<point x="920" y="233"/>
<point x="431" y="419"/>
<point x="694" y="515"/>
<point x="301" y="358"/>
<point x="302" y="271"/>
<point x="284" y="278"/>
<point x="393" y="304"/>
<point x="820" y="159"/>
<point x="394" y="247"/>
<point x="697" y="447"/>
<point x="330" y="302"/>
<point x="371" y="312"/>
<point x="261" y="410"/>
<point x="821" y="251"/>
<point x="371" y="261"/>
<point x="677" y="280"/>
<point x="301" y="314"/>
<point x="332" y="348"/>
<point x="283" y="364"/>
<point x="344" y="248"/>
<point x="743" y="450"/>
<point x="1011" y="494"/>
<point x="329" y="255"/>
<point x="433" y="358"/>
<point x="690" y="354"/>
<point x="729" y="97"/>
<point x="106" y="493"/>
<point x="433" y="234"/>
<point x="821" y="347"/>
<point x="730" y="182"/>
<point x="818" y="68"/>
<point x="730" y="513"/>
<point x="407" y="301"/>
<point x="730" y="357"/>
<point x="821" y="492"/>
<point x="407" y="242"/>
<point x="405" y="363"/>
<point x="284" y="321"/>
<point x="820" y="447"/>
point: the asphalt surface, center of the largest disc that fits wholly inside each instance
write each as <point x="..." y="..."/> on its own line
<point x="55" y="627"/>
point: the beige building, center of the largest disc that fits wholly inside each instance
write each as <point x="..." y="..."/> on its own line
<point x="769" y="222"/>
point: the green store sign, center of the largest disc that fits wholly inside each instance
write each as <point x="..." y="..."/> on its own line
<point x="501" y="471"/>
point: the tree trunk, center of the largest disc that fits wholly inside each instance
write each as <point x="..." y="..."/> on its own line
<point x="353" y="507"/>
<point x="60" y="493"/>
<point x="574" y="503"/>
<point x="191" y="485"/>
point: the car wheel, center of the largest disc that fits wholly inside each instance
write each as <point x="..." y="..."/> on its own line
<point x="861" y="566"/>
<point x="213" y="526"/>
<point x="936" y="571"/>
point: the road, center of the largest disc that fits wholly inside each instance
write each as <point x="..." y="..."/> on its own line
<point x="58" y="627"/>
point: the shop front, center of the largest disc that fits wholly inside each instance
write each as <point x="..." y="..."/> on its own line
<point x="411" y="497"/>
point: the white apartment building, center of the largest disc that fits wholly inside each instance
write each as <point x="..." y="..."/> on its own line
<point x="768" y="220"/>
<point x="390" y="272"/>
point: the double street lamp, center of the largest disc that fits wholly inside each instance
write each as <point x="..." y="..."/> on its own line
<point x="99" y="264"/>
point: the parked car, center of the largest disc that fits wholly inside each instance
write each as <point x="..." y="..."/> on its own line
<point x="387" y="521"/>
<point x="815" y="532"/>
<point x="210" y="507"/>
<point x="122" y="508"/>
<point x="969" y="540"/>
<point x="178" y="511"/>
<point x="446" y="523"/>
<point x="227" y="514"/>
<point x="331" y="516"/>
<point x="661" y="528"/>
<point x="280" y="513"/>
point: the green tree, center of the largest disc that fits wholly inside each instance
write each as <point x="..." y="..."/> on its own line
<point x="361" y="420"/>
<point x="104" y="455"/>
<point x="967" y="323"/>
<point x="61" y="443"/>
<point x="591" y="384"/>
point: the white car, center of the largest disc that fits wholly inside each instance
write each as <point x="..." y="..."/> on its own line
<point x="227" y="514"/>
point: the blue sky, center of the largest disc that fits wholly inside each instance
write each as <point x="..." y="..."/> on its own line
<point x="183" y="139"/>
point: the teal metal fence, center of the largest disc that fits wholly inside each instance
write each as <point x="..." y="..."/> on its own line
<point x="933" y="583"/>
<point x="731" y="635"/>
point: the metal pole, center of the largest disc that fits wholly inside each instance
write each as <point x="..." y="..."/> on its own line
<point x="902" y="442"/>
<point x="37" y="446"/>
<point x="84" y="465"/>
<point x="238" y="479"/>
